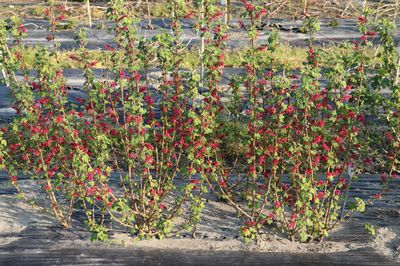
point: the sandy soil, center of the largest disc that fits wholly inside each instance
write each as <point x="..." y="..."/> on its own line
<point x="217" y="232"/>
<point x="16" y="216"/>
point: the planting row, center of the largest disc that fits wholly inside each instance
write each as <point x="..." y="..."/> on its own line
<point x="278" y="147"/>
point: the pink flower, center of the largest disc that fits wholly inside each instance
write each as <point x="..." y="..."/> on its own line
<point x="378" y="196"/>
<point x="109" y="47"/>
<point x="251" y="223"/>
<point x="362" y="20"/>
<point x="364" y="38"/>
<point x="252" y="170"/>
<point x="389" y="136"/>
<point x="289" y="109"/>
<point x="338" y="140"/>
<point x="292" y="225"/>
<point x="249" y="7"/>
<point x="59" y="119"/>
<point x="318" y="139"/>
<point x="321" y="195"/>
<point x="47" y="187"/>
<point x="80" y="100"/>
<point x="136" y="76"/>
<point x="149" y="99"/>
<point x="121" y="74"/>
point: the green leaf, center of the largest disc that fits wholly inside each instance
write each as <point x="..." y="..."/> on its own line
<point x="303" y="236"/>
<point x="370" y="229"/>
<point x="358" y="205"/>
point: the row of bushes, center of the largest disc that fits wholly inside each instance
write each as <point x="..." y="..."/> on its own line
<point x="275" y="144"/>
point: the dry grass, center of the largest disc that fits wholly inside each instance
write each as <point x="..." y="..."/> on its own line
<point x="278" y="9"/>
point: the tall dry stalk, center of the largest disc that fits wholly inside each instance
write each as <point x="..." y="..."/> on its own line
<point x="89" y="13"/>
<point x="149" y="25"/>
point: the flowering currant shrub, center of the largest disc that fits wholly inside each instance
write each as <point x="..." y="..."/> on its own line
<point x="386" y="83"/>
<point x="301" y="140"/>
<point x="70" y="150"/>
<point x="145" y="128"/>
<point x="137" y="151"/>
<point x="43" y="139"/>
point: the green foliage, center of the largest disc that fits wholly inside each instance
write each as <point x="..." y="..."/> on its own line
<point x="370" y="229"/>
<point x="358" y="205"/>
<point x="3" y="145"/>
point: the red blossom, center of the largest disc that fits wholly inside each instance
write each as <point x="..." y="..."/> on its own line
<point x="389" y="136"/>
<point x="13" y="179"/>
<point x="364" y="38"/>
<point x="251" y="223"/>
<point x="136" y="76"/>
<point x="47" y="187"/>
<point x="378" y="196"/>
<point x="149" y="99"/>
<point x="371" y="33"/>
<point x="362" y="20"/>
<point x="222" y="183"/>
